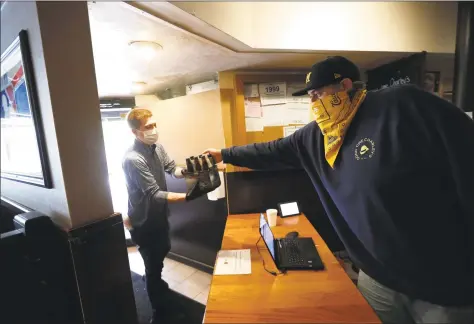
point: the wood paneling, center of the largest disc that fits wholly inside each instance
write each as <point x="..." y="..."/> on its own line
<point x="233" y="118"/>
<point x="255" y="192"/>
<point x="231" y="86"/>
<point x="102" y="272"/>
<point x="255" y="137"/>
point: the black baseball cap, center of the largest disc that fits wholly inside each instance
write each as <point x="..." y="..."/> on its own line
<point x="332" y="70"/>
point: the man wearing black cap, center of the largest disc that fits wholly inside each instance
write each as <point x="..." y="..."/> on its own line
<point x="394" y="169"/>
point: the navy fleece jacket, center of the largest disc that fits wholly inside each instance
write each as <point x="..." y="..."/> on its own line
<point x="401" y="194"/>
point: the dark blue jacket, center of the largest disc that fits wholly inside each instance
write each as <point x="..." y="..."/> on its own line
<point x="401" y="194"/>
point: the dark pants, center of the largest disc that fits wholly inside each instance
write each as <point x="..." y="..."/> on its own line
<point x="153" y="249"/>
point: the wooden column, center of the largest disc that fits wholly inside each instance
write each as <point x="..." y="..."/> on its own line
<point x="463" y="95"/>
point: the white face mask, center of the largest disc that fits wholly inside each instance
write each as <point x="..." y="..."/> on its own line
<point x="150" y="136"/>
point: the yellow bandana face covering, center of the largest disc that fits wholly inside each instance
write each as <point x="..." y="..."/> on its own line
<point x="333" y="114"/>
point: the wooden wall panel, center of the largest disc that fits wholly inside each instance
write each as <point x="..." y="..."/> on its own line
<point x="231" y="86"/>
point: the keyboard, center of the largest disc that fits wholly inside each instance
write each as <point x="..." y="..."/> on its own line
<point x="292" y="251"/>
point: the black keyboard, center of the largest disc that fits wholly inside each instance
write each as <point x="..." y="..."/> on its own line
<point x="292" y="251"/>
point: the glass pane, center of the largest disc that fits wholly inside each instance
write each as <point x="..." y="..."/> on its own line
<point x="19" y="144"/>
<point x="117" y="138"/>
<point x="19" y="147"/>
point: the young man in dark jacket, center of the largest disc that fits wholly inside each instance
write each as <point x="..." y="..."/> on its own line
<point x="394" y="169"/>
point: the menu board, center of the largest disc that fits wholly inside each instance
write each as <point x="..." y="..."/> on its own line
<point x="117" y="103"/>
<point x="408" y="70"/>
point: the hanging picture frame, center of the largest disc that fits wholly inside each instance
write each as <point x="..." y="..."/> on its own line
<point x="23" y="147"/>
<point x="431" y="81"/>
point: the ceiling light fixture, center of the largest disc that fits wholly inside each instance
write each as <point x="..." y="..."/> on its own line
<point x="145" y="49"/>
<point x="138" y="87"/>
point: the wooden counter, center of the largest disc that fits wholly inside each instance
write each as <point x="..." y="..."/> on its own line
<point x="327" y="296"/>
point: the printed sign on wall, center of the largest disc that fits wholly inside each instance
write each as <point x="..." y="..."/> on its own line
<point x="408" y="70"/>
<point x="272" y="93"/>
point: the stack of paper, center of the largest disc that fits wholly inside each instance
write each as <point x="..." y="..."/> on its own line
<point x="233" y="262"/>
<point x="253" y="109"/>
<point x="296" y="113"/>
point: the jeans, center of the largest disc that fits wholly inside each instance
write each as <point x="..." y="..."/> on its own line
<point x="153" y="252"/>
<point x="395" y="307"/>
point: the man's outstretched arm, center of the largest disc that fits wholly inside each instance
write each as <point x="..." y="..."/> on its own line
<point x="278" y="154"/>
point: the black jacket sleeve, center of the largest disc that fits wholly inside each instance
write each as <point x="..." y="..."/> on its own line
<point x="279" y="154"/>
<point x="455" y="132"/>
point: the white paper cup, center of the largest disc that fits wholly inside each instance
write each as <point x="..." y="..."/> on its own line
<point x="272" y="217"/>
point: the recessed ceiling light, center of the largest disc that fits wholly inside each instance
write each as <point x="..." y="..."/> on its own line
<point x="145" y="49"/>
<point x="138" y="87"/>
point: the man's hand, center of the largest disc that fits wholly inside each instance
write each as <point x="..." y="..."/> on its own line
<point x="221" y="166"/>
<point x="176" y="197"/>
<point x="126" y="222"/>
<point x="216" y="154"/>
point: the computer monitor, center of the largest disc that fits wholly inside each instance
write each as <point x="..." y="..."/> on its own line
<point x="267" y="236"/>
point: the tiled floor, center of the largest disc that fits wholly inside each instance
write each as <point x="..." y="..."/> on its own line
<point x="184" y="279"/>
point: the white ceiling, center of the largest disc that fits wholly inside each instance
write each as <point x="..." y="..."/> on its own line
<point x="185" y="59"/>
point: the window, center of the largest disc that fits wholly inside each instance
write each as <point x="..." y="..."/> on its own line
<point x="117" y="139"/>
<point x="20" y="153"/>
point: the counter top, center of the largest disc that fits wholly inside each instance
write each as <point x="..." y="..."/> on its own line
<point x="308" y="296"/>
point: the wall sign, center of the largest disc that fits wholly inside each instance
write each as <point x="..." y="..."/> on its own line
<point x="117" y="103"/>
<point x="272" y="93"/>
<point x="409" y="70"/>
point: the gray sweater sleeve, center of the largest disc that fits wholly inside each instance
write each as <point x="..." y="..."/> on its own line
<point x="143" y="178"/>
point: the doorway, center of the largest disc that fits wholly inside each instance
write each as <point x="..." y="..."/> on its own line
<point x="117" y="139"/>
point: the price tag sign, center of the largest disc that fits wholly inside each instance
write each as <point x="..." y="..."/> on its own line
<point x="272" y="93"/>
